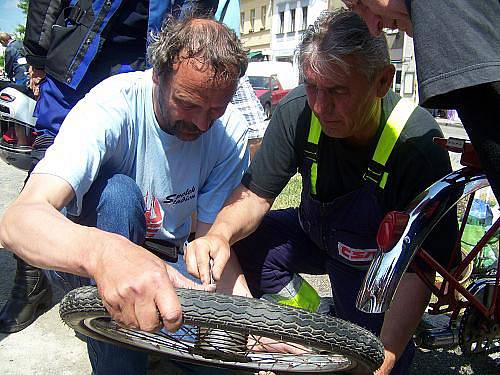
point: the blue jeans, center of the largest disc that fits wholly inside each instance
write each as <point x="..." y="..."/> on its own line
<point x="115" y="204"/>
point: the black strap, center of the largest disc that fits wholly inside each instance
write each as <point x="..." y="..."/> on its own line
<point x="374" y="172"/>
<point x="75" y="14"/>
<point x="311" y="151"/>
<point x="223" y="13"/>
<point x="79" y="14"/>
<point x="163" y="249"/>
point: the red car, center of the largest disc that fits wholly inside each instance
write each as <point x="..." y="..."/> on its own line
<point x="269" y="91"/>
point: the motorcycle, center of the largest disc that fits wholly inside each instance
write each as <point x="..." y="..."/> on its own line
<point x="17" y="127"/>
<point x="468" y="297"/>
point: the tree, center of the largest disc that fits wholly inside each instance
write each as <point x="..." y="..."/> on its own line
<point x="21" y="29"/>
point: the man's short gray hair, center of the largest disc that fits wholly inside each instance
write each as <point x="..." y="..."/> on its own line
<point x="338" y="34"/>
<point x="209" y="42"/>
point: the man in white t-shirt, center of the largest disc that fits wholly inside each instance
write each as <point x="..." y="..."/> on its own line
<point x="132" y="161"/>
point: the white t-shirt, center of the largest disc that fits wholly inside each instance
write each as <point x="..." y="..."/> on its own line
<point x="114" y="130"/>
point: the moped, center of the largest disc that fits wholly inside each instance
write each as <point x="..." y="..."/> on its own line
<point x="17" y="126"/>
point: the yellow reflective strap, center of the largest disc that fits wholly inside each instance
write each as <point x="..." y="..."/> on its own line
<point x="314" y="177"/>
<point x="306" y="298"/>
<point x="313" y="137"/>
<point x="314" y="130"/>
<point x="392" y="129"/>
<point x="383" y="181"/>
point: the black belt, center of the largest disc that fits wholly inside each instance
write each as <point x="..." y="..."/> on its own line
<point x="163" y="249"/>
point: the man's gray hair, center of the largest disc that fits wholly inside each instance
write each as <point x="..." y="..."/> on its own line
<point x="211" y="43"/>
<point x="338" y="34"/>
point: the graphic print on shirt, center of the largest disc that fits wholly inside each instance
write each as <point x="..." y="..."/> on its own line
<point x="188" y="194"/>
<point x="153" y="215"/>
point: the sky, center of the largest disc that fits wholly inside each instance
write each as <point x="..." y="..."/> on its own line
<point x="10" y="16"/>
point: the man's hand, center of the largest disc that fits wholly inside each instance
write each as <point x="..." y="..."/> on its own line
<point x="387" y="365"/>
<point x="200" y="252"/>
<point x="137" y="288"/>
<point x="181" y="281"/>
<point x="36" y="76"/>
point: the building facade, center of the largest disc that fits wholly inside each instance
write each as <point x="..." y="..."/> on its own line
<point x="290" y="19"/>
<point x="403" y="59"/>
<point x="255" y="28"/>
<point x="272" y="29"/>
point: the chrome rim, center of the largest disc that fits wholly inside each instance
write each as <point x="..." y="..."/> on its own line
<point x="185" y="345"/>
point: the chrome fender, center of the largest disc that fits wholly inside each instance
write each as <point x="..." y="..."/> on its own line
<point x="425" y="211"/>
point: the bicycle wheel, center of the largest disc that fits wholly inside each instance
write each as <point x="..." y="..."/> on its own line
<point x="327" y="344"/>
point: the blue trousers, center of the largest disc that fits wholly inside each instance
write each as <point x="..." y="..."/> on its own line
<point x="279" y="248"/>
<point x="115" y="204"/>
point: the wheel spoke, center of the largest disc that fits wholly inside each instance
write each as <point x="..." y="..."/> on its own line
<point x="262" y="353"/>
<point x="235" y="332"/>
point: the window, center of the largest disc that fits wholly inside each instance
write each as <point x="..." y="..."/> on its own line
<point x="285" y="58"/>
<point x="397" y="81"/>
<point x="304" y="18"/>
<point x="274" y="84"/>
<point x="263" y="11"/>
<point x="292" y="20"/>
<point x="282" y="22"/>
<point x="409" y="83"/>
<point x="242" y="22"/>
<point x="252" y="19"/>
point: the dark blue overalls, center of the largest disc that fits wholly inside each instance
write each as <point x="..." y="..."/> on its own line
<point x="337" y="237"/>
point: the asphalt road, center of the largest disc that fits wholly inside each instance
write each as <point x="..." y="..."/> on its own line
<point x="49" y="347"/>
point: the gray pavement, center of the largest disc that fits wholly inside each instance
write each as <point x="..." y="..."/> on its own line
<point x="49" y="347"/>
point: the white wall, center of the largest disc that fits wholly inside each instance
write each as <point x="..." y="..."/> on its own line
<point x="283" y="45"/>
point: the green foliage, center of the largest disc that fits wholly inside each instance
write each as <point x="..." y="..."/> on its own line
<point x="23" y="5"/>
<point x="21" y="29"/>
<point x="19" y="33"/>
<point x="290" y="196"/>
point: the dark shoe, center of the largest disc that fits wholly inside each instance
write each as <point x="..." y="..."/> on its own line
<point x="30" y="297"/>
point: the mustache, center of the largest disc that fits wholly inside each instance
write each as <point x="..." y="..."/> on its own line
<point x="186" y="126"/>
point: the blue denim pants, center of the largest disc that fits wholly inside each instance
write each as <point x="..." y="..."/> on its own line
<point x="115" y="204"/>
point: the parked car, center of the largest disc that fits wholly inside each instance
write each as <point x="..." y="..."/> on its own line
<point x="269" y="91"/>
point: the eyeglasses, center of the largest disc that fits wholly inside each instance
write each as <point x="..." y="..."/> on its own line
<point x="350" y="4"/>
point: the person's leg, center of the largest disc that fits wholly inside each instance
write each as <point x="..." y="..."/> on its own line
<point x="346" y="282"/>
<point x="275" y="253"/>
<point x="478" y="109"/>
<point x="113" y="204"/>
<point x="31" y="294"/>
<point x="29" y="298"/>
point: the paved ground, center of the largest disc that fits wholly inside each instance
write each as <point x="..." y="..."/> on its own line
<point x="49" y="347"/>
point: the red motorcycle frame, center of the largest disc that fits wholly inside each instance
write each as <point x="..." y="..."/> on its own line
<point x="474" y="309"/>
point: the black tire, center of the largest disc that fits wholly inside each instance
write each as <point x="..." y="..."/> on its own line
<point x="83" y="311"/>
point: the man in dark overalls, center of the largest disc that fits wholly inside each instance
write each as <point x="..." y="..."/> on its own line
<point x="362" y="151"/>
